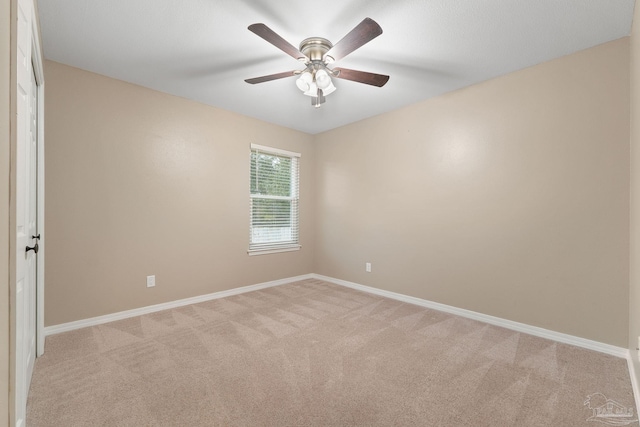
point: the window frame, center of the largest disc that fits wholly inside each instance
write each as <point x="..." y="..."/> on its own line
<point x="274" y="247"/>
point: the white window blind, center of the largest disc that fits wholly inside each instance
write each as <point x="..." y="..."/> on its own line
<point x="274" y="200"/>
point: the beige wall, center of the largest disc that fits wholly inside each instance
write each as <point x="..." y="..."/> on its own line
<point x="634" y="267"/>
<point x="5" y="150"/>
<point x="139" y="183"/>
<point x="509" y="198"/>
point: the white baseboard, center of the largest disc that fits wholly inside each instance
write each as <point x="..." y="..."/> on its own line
<point x="634" y="381"/>
<point x="93" y="321"/>
<point x="508" y="324"/>
<point x="497" y="321"/>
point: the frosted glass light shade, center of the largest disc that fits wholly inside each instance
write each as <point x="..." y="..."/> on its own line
<point x="305" y="81"/>
<point x="329" y="89"/>
<point x="313" y="90"/>
<point x="322" y="79"/>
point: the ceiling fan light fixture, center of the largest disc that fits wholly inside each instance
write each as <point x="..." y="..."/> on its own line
<point x="329" y="89"/>
<point x="305" y="81"/>
<point x="313" y="90"/>
<point x="322" y="79"/>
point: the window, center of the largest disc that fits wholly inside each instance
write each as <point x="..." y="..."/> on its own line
<point x="273" y="200"/>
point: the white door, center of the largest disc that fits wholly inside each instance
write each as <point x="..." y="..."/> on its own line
<point x="27" y="248"/>
<point x="26" y="213"/>
<point x="32" y="230"/>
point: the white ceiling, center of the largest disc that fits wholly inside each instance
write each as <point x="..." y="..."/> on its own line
<point x="202" y="50"/>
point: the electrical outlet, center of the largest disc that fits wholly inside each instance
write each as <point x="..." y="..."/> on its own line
<point x="367" y="267"/>
<point x="151" y="281"/>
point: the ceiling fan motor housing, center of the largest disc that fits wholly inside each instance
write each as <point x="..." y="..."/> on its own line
<point x="315" y="48"/>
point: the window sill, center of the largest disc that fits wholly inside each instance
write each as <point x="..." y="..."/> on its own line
<point x="254" y="252"/>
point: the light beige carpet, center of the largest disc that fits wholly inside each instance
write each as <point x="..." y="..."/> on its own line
<point x="312" y="353"/>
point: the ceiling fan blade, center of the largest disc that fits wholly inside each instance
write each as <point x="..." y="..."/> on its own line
<point x="270" y="77"/>
<point x="362" y="34"/>
<point x="361" y="77"/>
<point x="269" y="35"/>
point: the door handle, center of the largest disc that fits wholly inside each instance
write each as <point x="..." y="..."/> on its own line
<point x="34" y="248"/>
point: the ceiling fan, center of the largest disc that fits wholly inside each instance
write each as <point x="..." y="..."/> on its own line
<point x="318" y="53"/>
